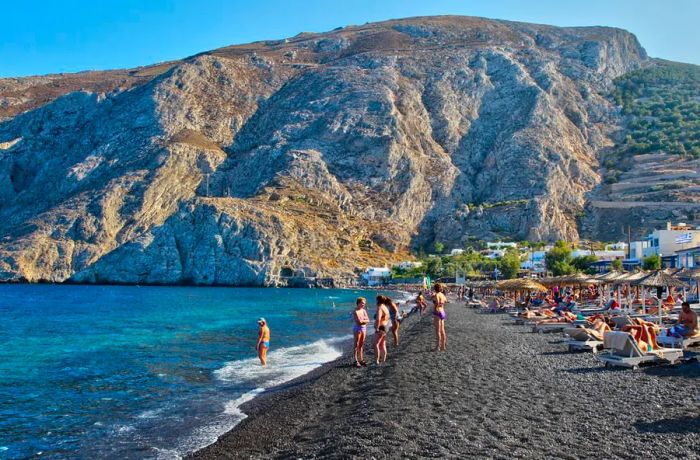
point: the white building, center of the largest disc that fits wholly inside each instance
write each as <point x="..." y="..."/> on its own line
<point x="534" y="261"/>
<point x="619" y="246"/>
<point x="375" y="276"/>
<point x="501" y="245"/>
<point x="494" y="253"/>
<point x="408" y="265"/>
<point x="606" y="255"/>
<point x="456" y="252"/>
<point x="666" y="242"/>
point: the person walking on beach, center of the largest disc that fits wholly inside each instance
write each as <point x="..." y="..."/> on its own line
<point x="263" y="341"/>
<point x="381" y="321"/>
<point x="439" y="316"/>
<point x="359" y="330"/>
<point x="395" y="321"/>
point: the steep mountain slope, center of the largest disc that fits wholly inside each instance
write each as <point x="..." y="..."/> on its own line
<point x="320" y="153"/>
<point x="652" y="175"/>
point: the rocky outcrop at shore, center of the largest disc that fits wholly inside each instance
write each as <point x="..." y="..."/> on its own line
<point x="319" y="153"/>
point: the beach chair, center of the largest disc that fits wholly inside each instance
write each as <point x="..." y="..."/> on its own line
<point x="622" y="350"/>
<point x="579" y="339"/>
<point x="621" y="321"/>
<point x="550" y="327"/>
<point x="679" y="342"/>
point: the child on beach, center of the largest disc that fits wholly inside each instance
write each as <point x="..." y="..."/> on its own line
<point x="263" y="341"/>
<point x="421" y="304"/>
<point x="439" y="301"/>
<point x="381" y="321"/>
<point x="359" y="330"/>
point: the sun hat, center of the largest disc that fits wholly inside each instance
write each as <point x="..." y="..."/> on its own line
<point x="261" y="320"/>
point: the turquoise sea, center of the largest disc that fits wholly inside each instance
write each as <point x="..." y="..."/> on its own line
<point x="149" y="372"/>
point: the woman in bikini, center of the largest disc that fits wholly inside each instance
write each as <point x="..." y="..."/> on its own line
<point x="359" y="330"/>
<point x="395" y="321"/>
<point x="439" y="316"/>
<point x="381" y="321"/>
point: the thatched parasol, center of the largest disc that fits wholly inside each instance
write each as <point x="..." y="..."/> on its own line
<point x="606" y="278"/>
<point x="689" y="273"/>
<point x="521" y="284"/>
<point x="578" y="279"/>
<point x="659" y="278"/>
<point x="630" y="278"/>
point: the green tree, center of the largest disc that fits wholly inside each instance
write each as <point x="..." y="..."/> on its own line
<point x="439" y="247"/>
<point x="616" y="265"/>
<point x="434" y="267"/>
<point x="652" y="262"/>
<point x="509" y="264"/>
<point x="558" y="259"/>
<point x="583" y="263"/>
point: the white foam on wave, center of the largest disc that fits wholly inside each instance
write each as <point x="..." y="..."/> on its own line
<point x="284" y="364"/>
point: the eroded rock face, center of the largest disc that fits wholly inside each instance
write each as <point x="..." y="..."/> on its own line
<point x="321" y="153"/>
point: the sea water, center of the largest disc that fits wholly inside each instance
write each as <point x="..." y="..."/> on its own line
<point x="149" y="372"/>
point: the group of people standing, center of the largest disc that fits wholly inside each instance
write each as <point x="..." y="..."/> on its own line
<point x="386" y="318"/>
<point x="387" y="311"/>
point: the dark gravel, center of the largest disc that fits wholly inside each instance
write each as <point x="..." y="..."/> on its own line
<point x="499" y="391"/>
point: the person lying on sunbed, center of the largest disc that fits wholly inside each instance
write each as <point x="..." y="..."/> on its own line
<point x="644" y="334"/>
<point x="597" y="329"/>
<point x="566" y="317"/>
<point x="687" y="324"/>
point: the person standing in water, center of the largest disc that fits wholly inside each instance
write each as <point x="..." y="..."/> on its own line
<point x="359" y="330"/>
<point x="263" y="341"/>
<point x="439" y="316"/>
<point x="381" y="321"/>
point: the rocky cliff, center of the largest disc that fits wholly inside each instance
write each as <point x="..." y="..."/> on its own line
<point x="317" y="154"/>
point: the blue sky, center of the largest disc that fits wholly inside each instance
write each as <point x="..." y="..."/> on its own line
<point x="50" y="36"/>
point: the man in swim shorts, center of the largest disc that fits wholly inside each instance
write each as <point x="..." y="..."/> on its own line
<point x="263" y="341"/>
<point x="687" y="324"/>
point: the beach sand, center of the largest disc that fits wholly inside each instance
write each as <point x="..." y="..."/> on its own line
<point x="499" y="391"/>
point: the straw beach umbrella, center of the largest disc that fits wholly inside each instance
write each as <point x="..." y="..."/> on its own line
<point x="521" y="284"/>
<point x="660" y="278"/>
<point x="628" y="279"/>
<point x="692" y="274"/>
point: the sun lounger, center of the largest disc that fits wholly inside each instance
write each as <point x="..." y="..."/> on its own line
<point x="679" y="342"/>
<point x="624" y="351"/>
<point x="621" y="321"/>
<point x="550" y="327"/>
<point x="582" y="340"/>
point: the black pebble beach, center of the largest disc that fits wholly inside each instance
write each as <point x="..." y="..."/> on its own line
<point x="500" y="391"/>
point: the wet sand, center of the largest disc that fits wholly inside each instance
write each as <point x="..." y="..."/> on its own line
<point x="499" y="391"/>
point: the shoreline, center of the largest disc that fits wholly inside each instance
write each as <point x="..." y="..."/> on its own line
<point x="524" y="397"/>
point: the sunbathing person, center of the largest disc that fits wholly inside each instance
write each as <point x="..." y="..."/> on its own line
<point x="644" y="334"/>
<point x="566" y="317"/>
<point x="599" y="328"/>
